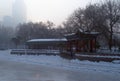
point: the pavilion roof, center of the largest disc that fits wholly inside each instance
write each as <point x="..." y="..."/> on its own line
<point x="81" y="35"/>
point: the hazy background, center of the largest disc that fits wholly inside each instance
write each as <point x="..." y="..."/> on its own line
<point x="22" y="20"/>
<point x="42" y="10"/>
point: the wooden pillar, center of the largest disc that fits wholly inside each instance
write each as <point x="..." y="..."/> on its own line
<point x="79" y="46"/>
<point x="91" y="45"/>
<point x="71" y="48"/>
<point x="95" y="44"/>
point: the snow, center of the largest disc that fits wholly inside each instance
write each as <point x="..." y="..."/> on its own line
<point x="116" y="61"/>
<point x="94" y="33"/>
<point x="58" y="62"/>
<point x="70" y="34"/>
<point x="98" y="56"/>
<point x="46" y="40"/>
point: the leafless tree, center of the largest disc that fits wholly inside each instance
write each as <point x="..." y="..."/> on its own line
<point x="39" y="30"/>
<point x="75" y="21"/>
<point x="103" y="17"/>
<point x="112" y="11"/>
<point x="6" y="33"/>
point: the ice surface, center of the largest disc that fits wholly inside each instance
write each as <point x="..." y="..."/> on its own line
<point x="58" y="62"/>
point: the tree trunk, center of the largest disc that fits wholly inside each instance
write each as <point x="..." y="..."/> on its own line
<point x="110" y="43"/>
<point x="111" y="37"/>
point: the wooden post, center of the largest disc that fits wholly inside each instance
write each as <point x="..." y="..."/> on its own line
<point x="95" y="44"/>
<point x="71" y="49"/>
<point x="90" y="45"/>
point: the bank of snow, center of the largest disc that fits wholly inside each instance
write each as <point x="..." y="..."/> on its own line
<point x="58" y="62"/>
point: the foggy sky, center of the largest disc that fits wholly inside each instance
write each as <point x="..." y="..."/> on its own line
<point x="41" y="10"/>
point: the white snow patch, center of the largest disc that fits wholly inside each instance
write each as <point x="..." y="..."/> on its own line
<point x="98" y="56"/>
<point x="46" y="40"/>
<point x="116" y="61"/>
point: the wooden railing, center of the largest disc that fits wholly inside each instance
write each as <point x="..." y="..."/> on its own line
<point x="34" y="52"/>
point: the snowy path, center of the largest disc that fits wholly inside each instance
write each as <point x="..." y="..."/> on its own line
<point x="82" y="70"/>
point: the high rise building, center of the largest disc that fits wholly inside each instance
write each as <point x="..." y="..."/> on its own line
<point x="19" y="12"/>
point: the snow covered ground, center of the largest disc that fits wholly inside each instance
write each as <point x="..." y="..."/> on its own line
<point x="58" y="62"/>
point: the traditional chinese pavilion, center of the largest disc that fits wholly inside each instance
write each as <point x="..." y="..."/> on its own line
<point x="77" y="42"/>
<point x="82" y="41"/>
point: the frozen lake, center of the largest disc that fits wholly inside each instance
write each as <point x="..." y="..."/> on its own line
<point x="15" y="71"/>
<point x="54" y="68"/>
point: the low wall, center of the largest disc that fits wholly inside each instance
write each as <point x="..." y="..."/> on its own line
<point x="34" y="52"/>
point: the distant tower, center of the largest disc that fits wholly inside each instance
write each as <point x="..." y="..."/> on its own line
<point x="19" y="12"/>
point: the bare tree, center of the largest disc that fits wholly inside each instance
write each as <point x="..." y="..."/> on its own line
<point x="101" y="17"/>
<point x="39" y="30"/>
<point x="6" y="33"/>
<point x="97" y="19"/>
<point x="112" y="12"/>
<point x="75" y="21"/>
